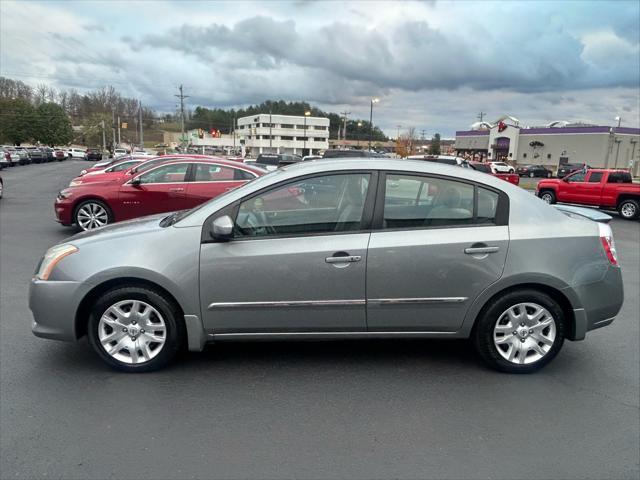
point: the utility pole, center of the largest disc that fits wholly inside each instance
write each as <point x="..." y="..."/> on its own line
<point x="481" y="115"/>
<point x="141" y="134"/>
<point x="422" y="136"/>
<point x="104" y="138"/>
<point x="398" y="134"/>
<point x="119" y="130"/>
<point x="181" y="97"/>
<point x="235" y="120"/>
<point x="113" y="128"/>
<point x="344" y="116"/>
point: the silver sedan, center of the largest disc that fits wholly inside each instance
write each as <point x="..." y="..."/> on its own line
<point x="331" y="249"/>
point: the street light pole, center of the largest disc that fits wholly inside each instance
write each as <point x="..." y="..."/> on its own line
<point x="359" y="126"/>
<point x="373" y="100"/>
<point x="306" y="114"/>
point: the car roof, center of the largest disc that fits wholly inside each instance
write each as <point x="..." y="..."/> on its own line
<point x="221" y="161"/>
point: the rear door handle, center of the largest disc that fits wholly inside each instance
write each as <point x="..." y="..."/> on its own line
<point x="477" y="250"/>
<point x="345" y="259"/>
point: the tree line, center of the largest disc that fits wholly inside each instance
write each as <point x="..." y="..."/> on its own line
<point x="46" y="115"/>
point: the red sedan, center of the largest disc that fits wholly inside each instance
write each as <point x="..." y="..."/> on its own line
<point x="123" y="168"/>
<point x="169" y="186"/>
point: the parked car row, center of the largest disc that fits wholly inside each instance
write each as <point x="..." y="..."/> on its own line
<point x="130" y="187"/>
<point x="12" y="156"/>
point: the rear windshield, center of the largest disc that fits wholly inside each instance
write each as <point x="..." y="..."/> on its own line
<point x="481" y="167"/>
<point x="619" y="177"/>
<point x="345" y="153"/>
<point x="268" y="159"/>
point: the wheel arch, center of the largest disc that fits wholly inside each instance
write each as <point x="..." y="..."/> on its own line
<point x="560" y="295"/>
<point x="627" y="196"/>
<point x="84" y="308"/>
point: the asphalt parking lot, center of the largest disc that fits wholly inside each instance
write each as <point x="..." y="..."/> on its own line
<point x="379" y="409"/>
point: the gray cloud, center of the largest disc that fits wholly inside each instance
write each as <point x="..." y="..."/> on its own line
<point x="411" y="56"/>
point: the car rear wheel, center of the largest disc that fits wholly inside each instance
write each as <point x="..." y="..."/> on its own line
<point x="520" y="332"/>
<point x="136" y="329"/>
<point x="92" y="214"/>
<point x="548" y="196"/>
<point x="629" y="209"/>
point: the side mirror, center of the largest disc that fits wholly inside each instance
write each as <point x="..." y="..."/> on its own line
<point x="222" y="228"/>
<point x="136" y="182"/>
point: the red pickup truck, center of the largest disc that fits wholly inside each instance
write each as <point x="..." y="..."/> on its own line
<point x="607" y="189"/>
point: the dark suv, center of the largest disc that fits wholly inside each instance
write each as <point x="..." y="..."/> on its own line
<point x="567" y="168"/>
<point x="93" y="154"/>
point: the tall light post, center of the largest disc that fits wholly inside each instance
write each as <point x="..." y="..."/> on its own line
<point x="306" y="114"/>
<point x="373" y="100"/>
<point x="359" y="127"/>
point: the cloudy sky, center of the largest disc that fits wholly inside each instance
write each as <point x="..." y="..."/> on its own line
<point x="434" y="65"/>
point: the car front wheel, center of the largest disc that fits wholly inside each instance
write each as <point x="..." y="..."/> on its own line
<point x="92" y="214"/>
<point x="136" y="329"/>
<point x="548" y="196"/>
<point x="520" y="332"/>
<point x="629" y="209"/>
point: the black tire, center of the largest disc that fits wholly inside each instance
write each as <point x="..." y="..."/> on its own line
<point x="86" y="202"/>
<point x="482" y="334"/>
<point x="629" y="209"/>
<point x="548" y="196"/>
<point x="175" y="340"/>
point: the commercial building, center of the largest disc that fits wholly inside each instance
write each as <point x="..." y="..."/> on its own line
<point x="266" y="133"/>
<point x="553" y="144"/>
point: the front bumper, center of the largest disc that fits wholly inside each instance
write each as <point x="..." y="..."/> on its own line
<point x="54" y="305"/>
<point x="62" y="209"/>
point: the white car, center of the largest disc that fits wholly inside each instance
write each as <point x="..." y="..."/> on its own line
<point x="501" y="167"/>
<point x="76" y="152"/>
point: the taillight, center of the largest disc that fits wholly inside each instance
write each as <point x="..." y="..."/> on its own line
<point x="606" y="238"/>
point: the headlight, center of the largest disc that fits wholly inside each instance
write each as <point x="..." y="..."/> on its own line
<point x="51" y="259"/>
<point x="75" y="183"/>
<point x="62" y="194"/>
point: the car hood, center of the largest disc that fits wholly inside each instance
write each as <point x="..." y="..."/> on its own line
<point x="137" y="226"/>
<point x="105" y="177"/>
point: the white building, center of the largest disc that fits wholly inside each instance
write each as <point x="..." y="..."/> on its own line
<point x="265" y="133"/>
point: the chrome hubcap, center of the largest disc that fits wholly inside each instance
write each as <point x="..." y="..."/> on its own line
<point x="628" y="210"/>
<point x="524" y="333"/>
<point x="92" y="215"/>
<point x="132" y="331"/>
<point x="546" y="197"/>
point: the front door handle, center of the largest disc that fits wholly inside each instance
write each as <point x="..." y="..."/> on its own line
<point x="480" y="250"/>
<point x="344" y="259"/>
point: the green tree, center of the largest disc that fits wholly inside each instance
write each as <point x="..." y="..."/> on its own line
<point x="17" y="120"/>
<point x="53" y="126"/>
<point x="434" y="145"/>
<point x="92" y="129"/>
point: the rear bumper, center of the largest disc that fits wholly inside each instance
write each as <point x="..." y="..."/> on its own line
<point x="54" y="306"/>
<point x="601" y="303"/>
